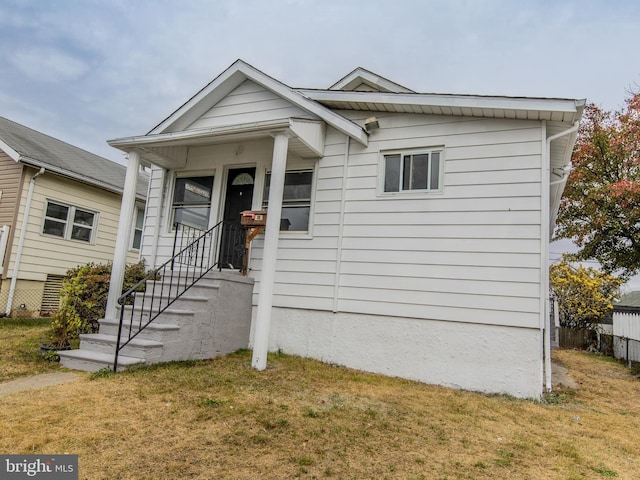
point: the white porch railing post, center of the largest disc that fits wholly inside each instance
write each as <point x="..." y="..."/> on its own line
<point x="272" y="231"/>
<point x="124" y="233"/>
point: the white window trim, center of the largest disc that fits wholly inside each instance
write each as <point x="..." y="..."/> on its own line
<point x="298" y="234"/>
<point x="410" y="151"/>
<point x="68" y="222"/>
<point x="139" y="206"/>
<point x="168" y="217"/>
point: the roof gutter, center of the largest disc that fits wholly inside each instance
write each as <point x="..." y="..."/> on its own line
<point x="23" y="232"/>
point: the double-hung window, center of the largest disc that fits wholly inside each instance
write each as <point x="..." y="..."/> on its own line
<point x="296" y="200"/>
<point x="136" y="241"/>
<point x="69" y="222"/>
<point x="192" y="201"/>
<point x="412" y="171"/>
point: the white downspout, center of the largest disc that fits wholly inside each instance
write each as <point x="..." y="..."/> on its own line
<point x="545" y="283"/>
<point x="23" y="233"/>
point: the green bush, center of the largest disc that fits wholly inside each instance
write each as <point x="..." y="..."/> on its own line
<point x="84" y="299"/>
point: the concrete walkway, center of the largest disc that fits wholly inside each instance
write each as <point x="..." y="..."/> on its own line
<point x="37" y="381"/>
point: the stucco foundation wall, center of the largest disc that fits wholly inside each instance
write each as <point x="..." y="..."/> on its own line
<point x="492" y="359"/>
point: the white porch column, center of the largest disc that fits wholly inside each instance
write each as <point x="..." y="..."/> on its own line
<point x="124" y="233"/>
<point x="272" y="231"/>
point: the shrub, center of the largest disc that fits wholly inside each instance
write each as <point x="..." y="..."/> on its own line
<point x="584" y="294"/>
<point x="84" y="299"/>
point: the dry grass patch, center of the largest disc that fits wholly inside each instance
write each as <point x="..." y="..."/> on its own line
<point x="305" y="419"/>
<point x="21" y="339"/>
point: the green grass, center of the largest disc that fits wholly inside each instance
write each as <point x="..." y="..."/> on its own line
<point x="20" y="352"/>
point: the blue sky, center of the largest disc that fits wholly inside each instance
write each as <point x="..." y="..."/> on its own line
<point x="87" y="71"/>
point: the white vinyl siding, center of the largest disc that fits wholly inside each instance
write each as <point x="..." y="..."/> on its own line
<point x="248" y="103"/>
<point x="469" y="254"/>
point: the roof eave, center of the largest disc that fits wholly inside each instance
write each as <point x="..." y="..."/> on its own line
<point x="74" y="176"/>
<point x="473" y="102"/>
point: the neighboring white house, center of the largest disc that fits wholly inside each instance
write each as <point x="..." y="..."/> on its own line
<point x="414" y="227"/>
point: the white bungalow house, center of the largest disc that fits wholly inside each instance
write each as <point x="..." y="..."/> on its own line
<point x="407" y="233"/>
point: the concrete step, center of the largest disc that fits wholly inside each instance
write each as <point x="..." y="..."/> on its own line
<point x="205" y="287"/>
<point x="156" y="330"/>
<point x="171" y="315"/>
<point x="188" y="301"/>
<point x="90" y="361"/>
<point x="145" y="349"/>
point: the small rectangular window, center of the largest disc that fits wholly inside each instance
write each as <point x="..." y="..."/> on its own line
<point x="137" y="228"/>
<point x="68" y="222"/>
<point x="296" y="200"/>
<point x="412" y="171"/>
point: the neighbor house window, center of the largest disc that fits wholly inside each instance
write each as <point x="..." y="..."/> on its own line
<point x="412" y="171"/>
<point x="69" y="222"/>
<point x="192" y="201"/>
<point x="137" y="228"/>
<point x="296" y="200"/>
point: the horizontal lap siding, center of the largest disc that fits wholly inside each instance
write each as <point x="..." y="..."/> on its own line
<point x="249" y="103"/>
<point x="306" y="267"/>
<point x="470" y="253"/>
<point x="44" y="254"/>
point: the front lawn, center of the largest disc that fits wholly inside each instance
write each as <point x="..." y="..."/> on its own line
<point x="19" y="351"/>
<point x="305" y="419"/>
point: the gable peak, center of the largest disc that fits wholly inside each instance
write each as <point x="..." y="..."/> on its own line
<point x="361" y="79"/>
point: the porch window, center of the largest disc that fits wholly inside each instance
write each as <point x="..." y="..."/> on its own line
<point x="412" y="171"/>
<point x="296" y="200"/>
<point x="192" y="201"/>
<point x="68" y="222"/>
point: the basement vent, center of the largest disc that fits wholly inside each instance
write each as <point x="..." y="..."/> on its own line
<point x="50" y="298"/>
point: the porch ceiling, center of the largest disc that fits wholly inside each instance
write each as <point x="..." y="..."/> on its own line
<point x="169" y="150"/>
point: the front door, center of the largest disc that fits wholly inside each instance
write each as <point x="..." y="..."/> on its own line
<point x="239" y="198"/>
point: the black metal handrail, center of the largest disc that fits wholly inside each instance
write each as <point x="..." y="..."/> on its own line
<point x="192" y="259"/>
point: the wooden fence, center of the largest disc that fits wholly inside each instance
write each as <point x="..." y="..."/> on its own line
<point x="574" y="338"/>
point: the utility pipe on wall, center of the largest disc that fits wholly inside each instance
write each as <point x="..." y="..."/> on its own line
<point x="545" y="293"/>
<point x="23" y="232"/>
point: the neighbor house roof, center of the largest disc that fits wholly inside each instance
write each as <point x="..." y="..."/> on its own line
<point x="628" y="302"/>
<point x="28" y="146"/>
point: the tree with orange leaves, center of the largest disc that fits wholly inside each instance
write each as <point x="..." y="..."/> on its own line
<point x="600" y="209"/>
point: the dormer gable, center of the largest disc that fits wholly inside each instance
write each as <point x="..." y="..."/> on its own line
<point x="363" y="80"/>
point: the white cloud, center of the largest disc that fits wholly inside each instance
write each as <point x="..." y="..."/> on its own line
<point x="48" y="64"/>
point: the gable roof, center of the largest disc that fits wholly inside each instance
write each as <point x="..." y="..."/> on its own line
<point x="37" y="149"/>
<point x="230" y="79"/>
<point x="359" y="76"/>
